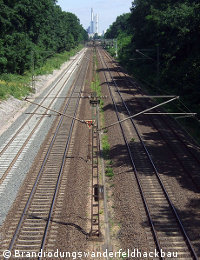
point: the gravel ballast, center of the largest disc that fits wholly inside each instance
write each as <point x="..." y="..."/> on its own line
<point x="9" y="190"/>
<point x="130" y="226"/>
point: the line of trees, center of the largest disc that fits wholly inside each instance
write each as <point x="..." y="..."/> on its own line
<point x="35" y="27"/>
<point x="159" y="41"/>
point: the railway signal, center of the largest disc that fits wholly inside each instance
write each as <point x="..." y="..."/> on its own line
<point x="89" y="123"/>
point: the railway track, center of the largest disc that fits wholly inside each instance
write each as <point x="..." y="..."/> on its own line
<point x="181" y="147"/>
<point x="31" y="224"/>
<point x="12" y="151"/>
<point x="167" y="228"/>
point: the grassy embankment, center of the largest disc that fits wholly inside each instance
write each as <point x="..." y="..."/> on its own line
<point x="19" y="86"/>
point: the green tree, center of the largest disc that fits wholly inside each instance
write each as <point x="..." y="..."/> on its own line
<point x="173" y="28"/>
<point x="174" y="25"/>
<point x="38" y="26"/>
<point x="120" y="25"/>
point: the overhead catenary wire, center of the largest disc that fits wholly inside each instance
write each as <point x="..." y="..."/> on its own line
<point x="180" y="101"/>
<point x="142" y="112"/>
<point x="173" y="113"/>
<point x="162" y="90"/>
<point x="157" y="175"/>
<point x="57" y="112"/>
<point x="190" y="114"/>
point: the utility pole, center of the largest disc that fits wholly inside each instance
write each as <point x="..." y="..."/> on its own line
<point x="116" y="49"/>
<point x="33" y="70"/>
<point x="158" y="64"/>
<point x="157" y="60"/>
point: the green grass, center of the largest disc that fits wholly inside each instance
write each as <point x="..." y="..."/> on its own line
<point x="56" y="61"/>
<point x="101" y="211"/>
<point x="124" y="257"/>
<point x="105" y="147"/>
<point x="106" y="155"/>
<point x="109" y="172"/>
<point x="111" y="50"/>
<point x="132" y="140"/>
<point x="19" y="86"/>
<point x="109" y="162"/>
<point x="14" y="85"/>
<point x="96" y="86"/>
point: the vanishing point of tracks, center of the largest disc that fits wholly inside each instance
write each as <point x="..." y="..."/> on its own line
<point x="29" y="229"/>
<point x="167" y="228"/>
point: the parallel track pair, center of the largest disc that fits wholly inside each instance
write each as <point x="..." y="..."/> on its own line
<point x="168" y="230"/>
<point x="30" y="234"/>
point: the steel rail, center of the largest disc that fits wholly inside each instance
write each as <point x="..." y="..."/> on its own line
<point x="60" y="173"/>
<point x="188" y="172"/>
<point x="43" y="99"/>
<point x="165" y="121"/>
<point x="140" y="113"/>
<point x="40" y="173"/>
<point x="63" y="163"/>
<point x="157" y="174"/>
<point x="57" y="112"/>
<point x="180" y="140"/>
<point x="134" y="167"/>
<point x="171" y="147"/>
<point x="153" y="165"/>
<point x="33" y="130"/>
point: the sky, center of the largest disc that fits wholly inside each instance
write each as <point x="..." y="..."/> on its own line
<point x="108" y="10"/>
